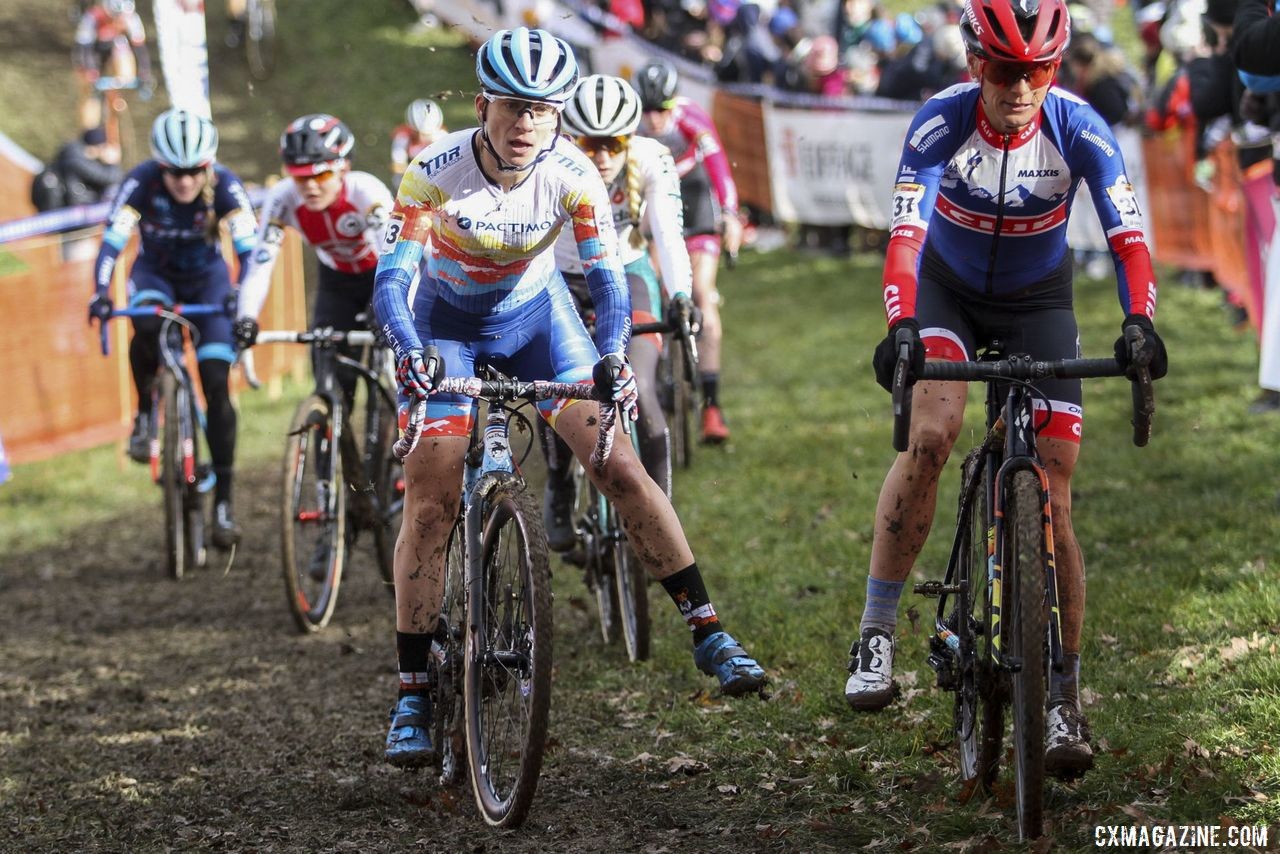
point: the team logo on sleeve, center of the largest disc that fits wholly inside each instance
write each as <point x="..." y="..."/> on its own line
<point x="391" y="236"/>
<point x="1125" y="201"/>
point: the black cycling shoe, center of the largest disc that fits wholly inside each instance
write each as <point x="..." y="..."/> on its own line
<point x="140" y="438"/>
<point x="226" y="533"/>
<point x="557" y="516"/>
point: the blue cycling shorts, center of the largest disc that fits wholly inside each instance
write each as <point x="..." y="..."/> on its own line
<point x="543" y="339"/>
<point x="211" y="285"/>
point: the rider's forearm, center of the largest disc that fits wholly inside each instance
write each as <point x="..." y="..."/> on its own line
<point x="391" y="297"/>
<point x="899" y="280"/>
<point x="612" y="298"/>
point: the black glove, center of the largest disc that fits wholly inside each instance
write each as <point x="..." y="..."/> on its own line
<point x="100" y="309"/>
<point x="886" y="355"/>
<point x="419" y="372"/>
<point x="1152" y="352"/>
<point x="245" y="331"/>
<point x="616" y="382"/>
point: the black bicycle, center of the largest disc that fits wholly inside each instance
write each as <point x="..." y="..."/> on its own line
<point x="340" y="476"/>
<point x="678" y="385"/>
<point x="492" y="649"/>
<point x="175" y="428"/>
<point x="997" y="631"/>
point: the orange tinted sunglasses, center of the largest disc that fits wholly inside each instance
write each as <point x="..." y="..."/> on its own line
<point x="1005" y="74"/>
<point x="319" y="177"/>
<point x="611" y="144"/>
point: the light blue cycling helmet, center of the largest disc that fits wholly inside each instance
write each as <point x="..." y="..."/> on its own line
<point x="183" y="139"/>
<point x="525" y="63"/>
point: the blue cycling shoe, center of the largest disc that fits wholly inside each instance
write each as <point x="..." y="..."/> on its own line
<point x="721" y="656"/>
<point x="409" y="739"/>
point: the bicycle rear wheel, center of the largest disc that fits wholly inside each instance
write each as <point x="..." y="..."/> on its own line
<point x="172" y="479"/>
<point x="1024" y="577"/>
<point x="260" y="38"/>
<point x="631" y="589"/>
<point x="507" y="686"/>
<point x="978" y="715"/>
<point x="450" y="734"/>
<point x="313" y="545"/>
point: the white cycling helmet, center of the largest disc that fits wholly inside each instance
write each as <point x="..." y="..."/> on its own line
<point x="424" y="116"/>
<point x="118" y="7"/>
<point x="602" y="106"/>
<point x="529" y="64"/>
<point x="183" y="139"/>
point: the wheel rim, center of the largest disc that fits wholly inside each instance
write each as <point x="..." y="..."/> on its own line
<point x="313" y="524"/>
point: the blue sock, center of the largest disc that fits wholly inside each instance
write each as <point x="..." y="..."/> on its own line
<point x="881" y="611"/>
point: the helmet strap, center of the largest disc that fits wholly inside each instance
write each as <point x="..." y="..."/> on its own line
<point x="504" y="166"/>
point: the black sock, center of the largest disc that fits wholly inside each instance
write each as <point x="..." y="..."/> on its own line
<point x="414" y="652"/>
<point x="689" y="593"/>
<point x="710" y="389"/>
<point x="222" y="484"/>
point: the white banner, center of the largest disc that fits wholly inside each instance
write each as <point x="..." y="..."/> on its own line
<point x="832" y="167"/>
<point x="184" y="53"/>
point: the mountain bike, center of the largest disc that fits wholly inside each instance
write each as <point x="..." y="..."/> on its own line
<point x="492" y="649"/>
<point x="997" y="632"/>
<point x="178" y="419"/>
<point x="335" y="484"/>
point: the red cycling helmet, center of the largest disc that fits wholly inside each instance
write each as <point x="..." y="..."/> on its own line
<point x="1016" y="30"/>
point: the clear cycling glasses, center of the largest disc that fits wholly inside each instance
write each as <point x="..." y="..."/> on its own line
<point x="510" y="109"/>
<point x="1006" y="74"/>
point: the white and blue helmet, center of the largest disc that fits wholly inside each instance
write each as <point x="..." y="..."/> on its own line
<point x="525" y="63"/>
<point x="183" y="139"/>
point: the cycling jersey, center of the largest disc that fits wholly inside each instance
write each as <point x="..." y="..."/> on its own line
<point x="658" y="215"/>
<point x="98" y="31"/>
<point x="995" y="207"/>
<point x="177" y="240"/>
<point x="702" y="166"/>
<point x="345" y="235"/>
<point x="491" y="250"/>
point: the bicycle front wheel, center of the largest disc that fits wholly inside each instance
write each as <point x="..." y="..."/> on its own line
<point x="507" y="686"/>
<point x="172" y="476"/>
<point x="313" y="545"/>
<point x="388" y="488"/>
<point x="631" y="583"/>
<point x="1024" y="526"/>
<point x="683" y="410"/>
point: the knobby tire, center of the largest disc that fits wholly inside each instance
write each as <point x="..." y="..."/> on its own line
<point x="509" y="615"/>
<point x="312" y="519"/>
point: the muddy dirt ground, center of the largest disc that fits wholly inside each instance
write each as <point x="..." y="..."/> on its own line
<point x="142" y="714"/>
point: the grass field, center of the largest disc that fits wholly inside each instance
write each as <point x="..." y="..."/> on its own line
<point x="1180" y="659"/>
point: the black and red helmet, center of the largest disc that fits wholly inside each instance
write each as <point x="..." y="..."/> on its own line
<point x="1016" y="30"/>
<point x="315" y="143"/>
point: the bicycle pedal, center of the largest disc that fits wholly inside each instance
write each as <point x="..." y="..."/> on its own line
<point x="936" y="588"/>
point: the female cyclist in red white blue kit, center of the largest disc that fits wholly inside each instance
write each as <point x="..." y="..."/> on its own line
<point x="341" y="213"/>
<point x="491" y="202"/>
<point x="978" y="252"/>
<point x="176" y="201"/>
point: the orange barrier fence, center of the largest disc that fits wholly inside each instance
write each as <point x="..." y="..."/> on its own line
<point x="59" y="393"/>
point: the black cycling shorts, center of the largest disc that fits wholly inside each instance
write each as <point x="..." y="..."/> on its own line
<point x="1039" y="321"/>
<point x="341" y="296"/>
